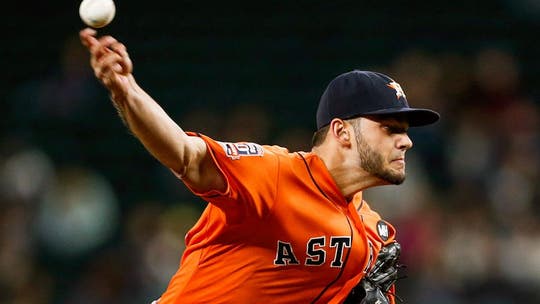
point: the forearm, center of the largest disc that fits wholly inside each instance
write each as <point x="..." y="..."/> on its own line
<point x="159" y="134"/>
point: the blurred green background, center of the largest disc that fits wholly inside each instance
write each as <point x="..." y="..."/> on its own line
<point x="87" y="216"/>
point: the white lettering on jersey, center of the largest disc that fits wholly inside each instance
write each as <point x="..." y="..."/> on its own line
<point x="316" y="251"/>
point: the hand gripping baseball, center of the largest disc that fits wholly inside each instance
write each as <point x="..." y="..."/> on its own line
<point x="373" y="287"/>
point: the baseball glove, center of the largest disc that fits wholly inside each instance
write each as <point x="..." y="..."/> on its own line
<point x="375" y="286"/>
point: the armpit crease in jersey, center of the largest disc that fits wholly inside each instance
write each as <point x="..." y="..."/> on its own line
<point x="237" y="150"/>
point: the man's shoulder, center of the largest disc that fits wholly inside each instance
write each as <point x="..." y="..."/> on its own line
<point x="247" y="149"/>
<point x="279" y="151"/>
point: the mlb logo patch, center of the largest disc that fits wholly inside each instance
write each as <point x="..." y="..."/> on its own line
<point x="237" y="150"/>
<point x="382" y="230"/>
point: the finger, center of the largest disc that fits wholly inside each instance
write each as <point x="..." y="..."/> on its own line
<point x="99" y="51"/>
<point x="108" y="77"/>
<point x="119" y="48"/>
<point x="125" y="65"/>
<point x="101" y="63"/>
<point x="104" y="46"/>
<point x="98" y="47"/>
<point x="107" y="41"/>
<point x="87" y="37"/>
<point x="112" y="63"/>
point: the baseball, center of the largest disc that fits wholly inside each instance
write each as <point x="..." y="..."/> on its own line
<point x="97" y="13"/>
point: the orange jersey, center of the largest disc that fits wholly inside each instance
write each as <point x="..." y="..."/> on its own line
<point x="281" y="232"/>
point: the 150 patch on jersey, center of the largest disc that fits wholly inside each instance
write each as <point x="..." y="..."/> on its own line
<point x="237" y="150"/>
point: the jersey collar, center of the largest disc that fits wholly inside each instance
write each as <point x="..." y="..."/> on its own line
<point x="323" y="179"/>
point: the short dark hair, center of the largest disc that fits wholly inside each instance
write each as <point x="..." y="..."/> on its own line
<point x="319" y="136"/>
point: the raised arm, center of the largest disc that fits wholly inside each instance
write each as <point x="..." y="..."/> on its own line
<point x="160" y="135"/>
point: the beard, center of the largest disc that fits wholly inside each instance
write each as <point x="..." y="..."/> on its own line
<point x="373" y="162"/>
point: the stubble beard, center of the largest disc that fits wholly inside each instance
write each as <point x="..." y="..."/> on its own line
<point x="373" y="163"/>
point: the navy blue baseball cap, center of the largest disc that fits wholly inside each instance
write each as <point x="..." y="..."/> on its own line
<point x="361" y="93"/>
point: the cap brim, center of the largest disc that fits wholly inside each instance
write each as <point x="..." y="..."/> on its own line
<point x="415" y="116"/>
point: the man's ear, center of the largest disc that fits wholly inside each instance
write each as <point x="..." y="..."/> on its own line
<point x="340" y="131"/>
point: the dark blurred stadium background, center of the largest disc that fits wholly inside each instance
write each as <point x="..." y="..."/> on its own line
<point x="87" y="216"/>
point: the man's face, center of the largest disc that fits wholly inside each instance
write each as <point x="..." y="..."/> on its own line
<point x="381" y="145"/>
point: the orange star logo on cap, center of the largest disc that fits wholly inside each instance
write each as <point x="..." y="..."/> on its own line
<point x="399" y="91"/>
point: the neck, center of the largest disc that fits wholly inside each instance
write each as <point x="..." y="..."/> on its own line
<point x="347" y="173"/>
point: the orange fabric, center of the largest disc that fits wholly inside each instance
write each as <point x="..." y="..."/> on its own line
<point x="376" y="236"/>
<point x="280" y="233"/>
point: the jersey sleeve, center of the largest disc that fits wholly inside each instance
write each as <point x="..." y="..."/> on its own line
<point x="251" y="173"/>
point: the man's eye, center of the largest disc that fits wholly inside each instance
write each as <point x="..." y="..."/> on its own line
<point x="394" y="130"/>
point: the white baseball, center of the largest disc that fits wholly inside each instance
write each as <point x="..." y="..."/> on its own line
<point x="97" y="13"/>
